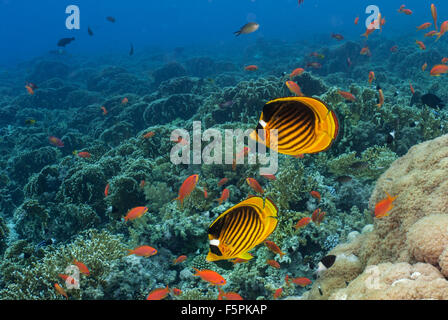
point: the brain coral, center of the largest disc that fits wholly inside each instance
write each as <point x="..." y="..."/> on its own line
<point x="416" y="229"/>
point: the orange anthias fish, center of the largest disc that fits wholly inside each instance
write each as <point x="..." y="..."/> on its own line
<point x="303" y="222"/>
<point x="135" y="213"/>
<point x="82" y="267"/>
<point x="347" y="95"/>
<point x="296" y="72"/>
<point x="443" y="30"/>
<point x="124" y="101"/>
<point x="424" y="67"/>
<point x="368" y="32"/>
<point x="67" y="278"/>
<point x="251" y="68"/>
<point x="383" y="207"/>
<point x="240" y="155"/>
<point x="211" y="277"/>
<point x="104" y="110"/>
<point x="437" y="70"/>
<point x="180" y="259"/>
<point x="278" y="293"/>
<point x="303" y="282"/>
<point x="60" y="290"/>
<point x="273" y="264"/>
<point x="445" y="60"/>
<point x="254" y="185"/>
<point x="56" y="142"/>
<point x="142" y="184"/>
<point x="29" y="89"/>
<point x="273" y="247"/>
<point x="434" y="14"/>
<point x="176" y="291"/>
<point x="424" y="26"/>
<point x="222" y="182"/>
<point x="366" y="52"/>
<point x="371" y="76"/>
<point x="148" y="135"/>
<point x="143" y="251"/>
<point x="412" y="88"/>
<point x="158" y="294"/>
<point x="356" y="20"/>
<point x="431" y="33"/>
<point x="420" y="44"/>
<point x="381" y="99"/>
<point x="187" y="188"/>
<point x="316" y="194"/>
<point x="320" y="217"/>
<point x="268" y="176"/>
<point x="337" y="36"/>
<point x="315" y="215"/>
<point x="294" y="88"/>
<point x="205" y="193"/>
<point x="228" y="295"/>
<point x="84" y="154"/>
<point x="106" y="190"/>
<point x="224" y="196"/>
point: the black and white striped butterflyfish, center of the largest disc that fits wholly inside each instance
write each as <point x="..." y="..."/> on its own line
<point x="304" y="125"/>
<point x="239" y="229"/>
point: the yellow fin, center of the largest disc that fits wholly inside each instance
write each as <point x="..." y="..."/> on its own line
<point x="245" y="256"/>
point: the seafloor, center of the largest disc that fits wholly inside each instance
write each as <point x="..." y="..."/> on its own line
<point x="48" y="192"/>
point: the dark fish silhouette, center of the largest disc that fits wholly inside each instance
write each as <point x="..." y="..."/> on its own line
<point x="131" y="52"/>
<point x="90" y="31"/>
<point x="111" y="19"/>
<point x="344" y="179"/>
<point x="433" y="101"/>
<point x="247" y="28"/>
<point x="65" y="41"/>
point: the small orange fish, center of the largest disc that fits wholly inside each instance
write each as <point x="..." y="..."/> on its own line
<point x="158" y="294"/>
<point x="251" y="68"/>
<point x="124" y="101"/>
<point x="278" y="293"/>
<point x="205" y="193"/>
<point x="240" y="260"/>
<point x="443" y="30"/>
<point x="303" y="282"/>
<point x="243" y="153"/>
<point x="381" y="99"/>
<point x="268" y="176"/>
<point x="296" y="72"/>
<point x="294" y="88"/>
<point x="224" y="196"/>
<point x="437" y="70"/>
<point x="303" y="222"/>
<point x="445" y="60"/>
<point x="434" y="14"/>
<point x="273" y="247"/>
<point x="148" y="135"/>
<point x="181" y="141"/>
<point x="420" y="44"/>
<point x="356" y="20"/>
<point x="29" y="89"/>
<point x="412" y="88"/>
<point x="176" y="291"/>
<point x="254" y="185"/>
<point x="383" y="207"/>
<point x="143" y="251"/>
<point x="106" y="190"/>
<point x="56" y="142"/>
<point x="273" y="264"/>
<point x="368" y="32"/>
<point x="347" y="95"/>
<point x="187" y="188"/>
<point x="142" y="184"/>
<point x="222" y="182"/>
<point x="320" y="217"/>
<point x="228" y="295"/>
<point x="104" y="110"/>
<point x="407" y="11"/>
<point x="135" y="213"/>
<point x="316" y="194"/>
<point x="180" y="259"/>
<point x="366" y="52"/>
<point x="315" y="215"/>
<point x="60" y="290"/>
<point x="84" y="154"/>
<point x="371" y="76"/>
<point x="424" y="26"/>
<point x="424" y="67"/>
<point x="67" y="278"/>
<point x="82" y="267"/>
<point x="431" y="34"/>
<point x="211" y="277"/>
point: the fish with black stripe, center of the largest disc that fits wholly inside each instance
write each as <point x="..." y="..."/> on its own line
<point x="241" y="228"/>
<point x="304" y="125"/>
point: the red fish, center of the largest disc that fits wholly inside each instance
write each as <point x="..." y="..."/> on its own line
<point x="424" y="26"/>
<point x="316" y="195"/>
<point x="296" y="72"/>
<point x="294" y="88"/>
<point x="412" y="88"/>
<point x="273" y="247"/>
<point x="320" y="217"/>
<point x="82" y="267"/>
<point x="273" y="264"/>
<point x="84" y="154"/>
<point x="420" y="44"/>
<point x="142" y="184"/>
<point x="394" y="49"/>
<point x="381" y="98"/>
<point x="356" y="20"/>
<point x="228" y="295"/>
<point x="424" y="66"/>
<point x="268" y="176"/>
<point x="124" y="101"/>
<point x="371" y="76"/>
<point x="106" y="190"/>
<point x="314" y="65"/>
<point x="180" y="259"/>
<point x="148" y="135"/>
<point x="67" y="278"/>
<point x="205" y="193"/>
<point x="366" y="52"/>
<point x="158" y="294"/>
<point x="251" y="68"/>
<point x="315" y="215"/>
<point x="135" y="213"/>
<point x="445" y="60"/>
<point x="224" y="196"/>
<point x="303" y="222"/>
<point x="60" y="290"/>
<point x="104" y="110"/>
<point x="176" y="291"/>
<point x="29" y="89"/>
<point x="222" y="182"/>
<point x="383" y="207"/>
<point x="211" y="277"/>
<point x="347" y="95"/>
<point x="187" y="188"/>
<point x="254" y="185"/>
<point x="337" y="36"/>
<point x="368" y="32"/>
<point x="278" y="293"/>
<point x="143" y="251"/>
<point x="303" y="282"/>
<point x="434" y="14"/>
<point x="56" y="142"/>
<point x="431" y="33"/>
<point x="443" y="30"/>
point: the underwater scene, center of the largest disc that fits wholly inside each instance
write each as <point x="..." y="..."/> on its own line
<point x="224" y="150"/>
